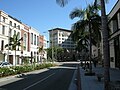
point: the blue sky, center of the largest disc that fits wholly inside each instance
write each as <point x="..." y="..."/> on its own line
<point x="45" y="14"/>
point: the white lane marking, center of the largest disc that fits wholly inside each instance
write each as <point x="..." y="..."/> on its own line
<point x="38" y="82"/>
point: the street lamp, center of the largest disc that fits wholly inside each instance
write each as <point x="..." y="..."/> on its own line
<point x="52" y="45"/>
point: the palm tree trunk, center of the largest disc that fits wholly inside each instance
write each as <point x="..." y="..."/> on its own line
<point x="105" y="46"/>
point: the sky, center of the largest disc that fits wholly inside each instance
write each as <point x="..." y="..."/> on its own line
<point x="45" y="14"/>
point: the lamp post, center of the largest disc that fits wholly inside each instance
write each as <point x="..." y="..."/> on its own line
<point x="52" y="46"/>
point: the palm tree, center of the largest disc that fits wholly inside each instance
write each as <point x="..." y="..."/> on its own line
<point x="14" y="43"/>
<point x="81" y="39"/>
<point x="41" y="51"/>
<point x="106" y="50"/>
<point x="89" y="21"/>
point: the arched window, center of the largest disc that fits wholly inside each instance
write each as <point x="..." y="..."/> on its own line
<point x="10" y="23"/>
<point x="25" y="41"/>
<point x="10" y="32"/>
<point x="14" y="32"/>
<point x="18" y="35"/>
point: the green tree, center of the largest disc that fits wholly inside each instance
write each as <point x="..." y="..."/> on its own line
<point x="90" y="22"/>
<point x="14" y="43"/>
<point x="41" y="51"/>
<point x="58" y="50"/>
<point x="81" y="39"/>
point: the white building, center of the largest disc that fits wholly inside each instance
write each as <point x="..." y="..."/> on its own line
<point x="34" y="44"/>
<point x="8" y="27"/>
<point x="29" y="45"/>
<point x="61" y="37"/>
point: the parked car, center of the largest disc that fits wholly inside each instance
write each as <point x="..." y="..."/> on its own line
<point x="5" y="64"/>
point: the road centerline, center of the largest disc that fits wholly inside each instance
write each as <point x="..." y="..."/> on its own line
<point x="39" y="81"/>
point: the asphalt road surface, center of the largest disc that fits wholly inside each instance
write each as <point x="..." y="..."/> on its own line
<point x="57" y="78"/>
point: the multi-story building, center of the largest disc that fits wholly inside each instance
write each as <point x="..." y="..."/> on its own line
<point x="114" y="38"/>
<point x="25" y="43"/>
<point x="34" y="44"/>
<point x="29" y="45"/>
<point x="8" y="27"/>
<point x="62" y="38"/>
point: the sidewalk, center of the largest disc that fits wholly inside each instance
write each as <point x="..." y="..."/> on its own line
<point x="91" y="82"/>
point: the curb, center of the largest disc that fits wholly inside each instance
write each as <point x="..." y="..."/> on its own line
<point x="73" y="85"/>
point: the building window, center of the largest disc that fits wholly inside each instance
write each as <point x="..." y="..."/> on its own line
<point x="37" y="40"/>
<point x="3" y="19"/>
<point x="14" y="25"/>
<point x="14" y="32"/>
<point x="10" y="23"/>
<point x="118" y="17"/>
<point x="10" y="32"/>
<point x="2" y="45"/>
<point x="19" y="27"/>
<point x="31" y="38"/>
<point x="59" y="34"/>
<point x="34" y="39"/>
<point x="24" y="41"/>
<point x="3" y="30"/>
<point x="117" y="51"/>
<point x="18" y="35"/>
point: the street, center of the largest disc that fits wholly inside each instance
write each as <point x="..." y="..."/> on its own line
<point x="56" y="78"/>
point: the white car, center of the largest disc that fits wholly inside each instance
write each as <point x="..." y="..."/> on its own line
<point x="5" y="64"/>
